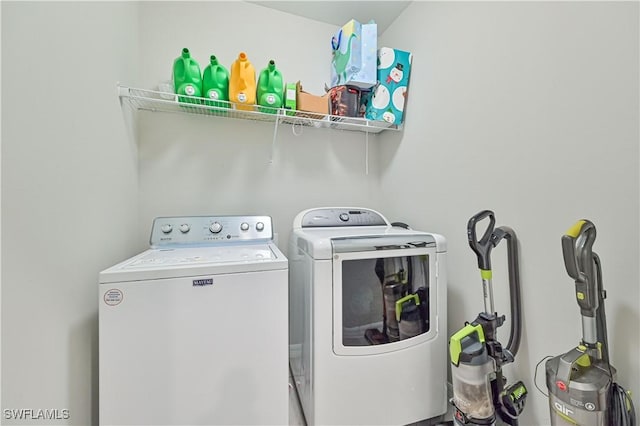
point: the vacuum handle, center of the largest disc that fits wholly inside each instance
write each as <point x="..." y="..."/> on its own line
<point x="566" y="365"/>
<point x="577" y="252"/>
<point x="482" y="247"/>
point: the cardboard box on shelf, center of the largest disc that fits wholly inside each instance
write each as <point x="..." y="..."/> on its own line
<point x="306" y="102"/>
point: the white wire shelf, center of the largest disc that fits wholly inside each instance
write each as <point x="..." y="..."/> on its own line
<point x="150" y="100"/>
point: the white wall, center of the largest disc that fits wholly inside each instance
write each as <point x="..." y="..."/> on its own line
<point x="531" y="110"/>
<point x="208" y="165"/>
<point x="69" y="195"/>
<point x="78" y="194"/>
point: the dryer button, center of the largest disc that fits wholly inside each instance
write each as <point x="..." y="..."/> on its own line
<point x="244" y="226"/>
<point x="166" y="228"/>
<point x="344" y="217"/>
<point x="259" y="226"/>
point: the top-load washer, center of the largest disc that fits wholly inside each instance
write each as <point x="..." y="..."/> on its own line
<point x="367" y="320"/>
<point x="193" y="331"/>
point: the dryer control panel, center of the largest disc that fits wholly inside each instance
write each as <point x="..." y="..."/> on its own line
<point x="332" y="217"/>
<point x="209" y="230"/>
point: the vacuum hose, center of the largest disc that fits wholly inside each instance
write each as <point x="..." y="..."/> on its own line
<point x="514" y="289"/>
<point x="482" y="247"/>
<point x="622" y="412"/>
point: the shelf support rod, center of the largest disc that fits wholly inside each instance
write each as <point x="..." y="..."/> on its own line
<point x="366" y="153"/>
<point x="275" y="135"/>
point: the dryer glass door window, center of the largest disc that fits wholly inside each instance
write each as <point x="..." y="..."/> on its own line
<point x="383" y="303"/>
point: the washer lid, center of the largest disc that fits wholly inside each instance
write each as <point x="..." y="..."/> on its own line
<point x="195" y="261"/>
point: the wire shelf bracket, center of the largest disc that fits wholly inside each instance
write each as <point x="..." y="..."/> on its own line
<point x="155" y="101"/>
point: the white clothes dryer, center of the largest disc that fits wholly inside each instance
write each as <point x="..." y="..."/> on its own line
<point x="367" y="320"/>
<point x="192" y="331"/>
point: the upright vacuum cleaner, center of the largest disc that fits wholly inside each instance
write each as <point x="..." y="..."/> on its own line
<point x="480" y="392"/>
<point x="581" y="382"/>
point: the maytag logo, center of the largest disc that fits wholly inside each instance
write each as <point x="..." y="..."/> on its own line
<point x="203" y="282"/>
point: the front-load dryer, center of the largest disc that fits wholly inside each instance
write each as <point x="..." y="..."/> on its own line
<point x="367" y="320"/>
<point x="193" y="331"/>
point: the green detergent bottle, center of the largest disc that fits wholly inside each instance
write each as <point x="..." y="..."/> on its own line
<point x="270" y="89"/>
<point x="215" y="84"/>
<point x="187" y="79"/>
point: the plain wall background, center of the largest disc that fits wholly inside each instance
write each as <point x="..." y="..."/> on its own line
<point x="196" y="165"/>
<point x="69" y="194"/>
<point x="529" y="109"/>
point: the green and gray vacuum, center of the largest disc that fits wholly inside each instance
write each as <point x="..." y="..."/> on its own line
<point x="581" y="382"/>
<point x="480" y="392"/>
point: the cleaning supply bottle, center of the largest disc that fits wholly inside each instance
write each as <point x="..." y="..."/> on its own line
<point x="270" y="89"/>
<point x="215" y="84"/>
<point x="242" y="83"/>
<point x="187" y="79"/>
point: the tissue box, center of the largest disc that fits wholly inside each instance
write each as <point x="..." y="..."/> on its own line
<point x="354" y="55"/>
<point x="389" y="96"/>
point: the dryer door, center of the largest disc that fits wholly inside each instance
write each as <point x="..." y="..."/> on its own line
<point x="384" y="293"/>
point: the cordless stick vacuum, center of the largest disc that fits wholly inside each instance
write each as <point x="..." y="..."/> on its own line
<point x="581" y="383"/>
<point x="480" y="393"/>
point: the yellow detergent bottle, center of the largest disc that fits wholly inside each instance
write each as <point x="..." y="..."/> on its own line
<point x="242" y="83"/>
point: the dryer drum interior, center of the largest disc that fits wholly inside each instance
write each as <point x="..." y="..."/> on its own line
<point x="384" y="299"/>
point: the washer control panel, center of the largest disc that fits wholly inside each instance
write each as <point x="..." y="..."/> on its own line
<point x="331" y="217"/>
<point x="209" y="230"/>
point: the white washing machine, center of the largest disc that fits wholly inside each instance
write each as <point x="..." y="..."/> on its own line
<point x="193" y="331"/>
<point x="367" y="319"/>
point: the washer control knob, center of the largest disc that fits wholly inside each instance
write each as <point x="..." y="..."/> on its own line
<point x="344" y="217"/>
<point x="260" y="226"/>
<point x="215" y="227"/>
<point x="244" y="226"/>
<point x="166" y="228"/>
<point x="185" y="227"/>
